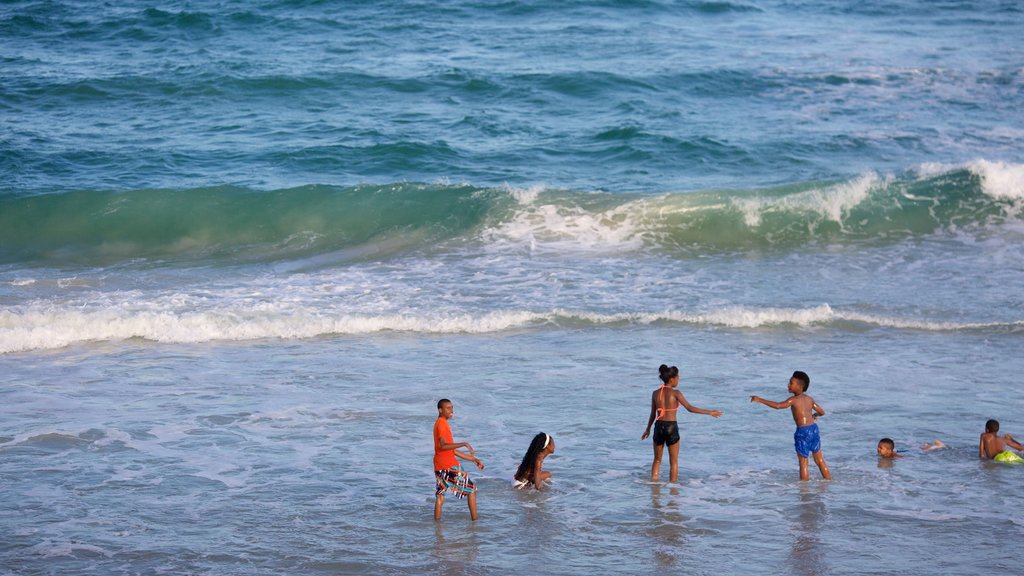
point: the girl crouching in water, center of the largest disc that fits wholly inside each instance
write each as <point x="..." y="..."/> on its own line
<point x="531" y="470"/>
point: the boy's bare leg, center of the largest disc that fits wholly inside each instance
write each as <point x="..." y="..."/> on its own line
<point x="819" y="459"/>
<point x="438" y="502"/>
<point x="656" y="466"/>
<point x="673" y="462"/>
<point x="471" y="499"/>
<point x="804" y="475"/>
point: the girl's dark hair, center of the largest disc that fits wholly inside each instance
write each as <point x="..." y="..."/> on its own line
<point x="668" y="372"/>
<point x="526" y="467"/>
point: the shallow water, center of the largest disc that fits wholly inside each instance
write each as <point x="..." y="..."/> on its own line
<point x="309" y="456"/>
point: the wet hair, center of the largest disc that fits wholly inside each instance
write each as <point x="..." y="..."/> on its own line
<point x="667" y="372"/>
<point x="526" y="466"/>
<point x="442" y="402"/>
<point x="888" y="442"/>
<point x="992" y="426"/>
<point x="803" y="378"/>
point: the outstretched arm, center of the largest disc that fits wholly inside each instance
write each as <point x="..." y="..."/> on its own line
<point x="691" y="408"/>
<point x="650" y="420"/>
<point x="777" y="405"/>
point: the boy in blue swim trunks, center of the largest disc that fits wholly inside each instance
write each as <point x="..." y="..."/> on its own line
<point x="805" y="412"/>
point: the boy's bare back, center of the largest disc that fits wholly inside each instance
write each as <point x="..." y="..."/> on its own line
<point x="802" y="407"/>
<point x="992" y="444"/>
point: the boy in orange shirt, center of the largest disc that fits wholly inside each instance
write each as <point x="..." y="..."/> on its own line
<point x="449" y="475"/>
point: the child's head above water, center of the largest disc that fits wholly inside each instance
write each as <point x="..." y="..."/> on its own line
<point x="542" y="443"/>
<point x="886" y="447"/>
<point x="992" y="426"/>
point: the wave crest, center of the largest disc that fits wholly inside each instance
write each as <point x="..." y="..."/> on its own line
<point x="240" y="225"/>
<point x="54" y="328"/>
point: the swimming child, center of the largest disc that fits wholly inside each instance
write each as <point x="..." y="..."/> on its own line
<point x="887" y="449"/>
<point x="992" y="446"/>
<point x="665" y="401"/>
<point x="805" y="411"/>
<point x="531" y="469"/>
<point x="449" y="475"/>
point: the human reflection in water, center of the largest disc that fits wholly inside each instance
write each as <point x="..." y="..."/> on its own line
<point x="807" y="555"/>
<point x="541" y="529"/>
<point x="455" y="555"/>
<point x="668" y="526"/>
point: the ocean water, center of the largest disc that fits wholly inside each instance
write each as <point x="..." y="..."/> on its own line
<point x="245" y="247"/>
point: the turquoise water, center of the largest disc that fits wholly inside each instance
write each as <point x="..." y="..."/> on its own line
<point x="246" y="247"/>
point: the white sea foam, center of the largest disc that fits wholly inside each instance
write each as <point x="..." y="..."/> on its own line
<point x="570" y="228"/>
<point x="933" y="169"/>
<point x="525" y="196"/>
<point x="1000" y="179"/>
<point x="832" y="202"/>
<point x="56" y="328"/>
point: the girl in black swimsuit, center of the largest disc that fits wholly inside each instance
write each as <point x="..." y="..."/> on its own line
<point x="665" y="401"/>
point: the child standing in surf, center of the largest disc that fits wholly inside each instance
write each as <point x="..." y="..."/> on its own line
<point x="665" y="401"/>
<point x="449" y="475"/>
<point x="805" y="411"/>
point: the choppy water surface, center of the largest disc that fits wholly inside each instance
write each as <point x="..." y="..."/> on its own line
<point x="246" y="247"/>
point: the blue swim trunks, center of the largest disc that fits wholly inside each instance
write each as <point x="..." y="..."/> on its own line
<point x="806" y="440"/>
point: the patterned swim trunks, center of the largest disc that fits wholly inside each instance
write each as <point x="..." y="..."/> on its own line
<point x="455" y="479"/>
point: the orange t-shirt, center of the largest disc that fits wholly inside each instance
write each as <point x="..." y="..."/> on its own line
<point x="443" y="459"/>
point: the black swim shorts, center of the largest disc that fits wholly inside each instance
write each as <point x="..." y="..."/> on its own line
<point x="666" y="432"/>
